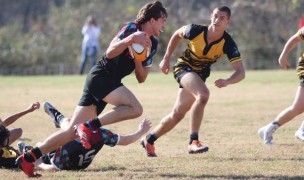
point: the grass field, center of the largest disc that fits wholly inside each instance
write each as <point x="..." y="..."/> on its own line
<point x="233" y="116"/>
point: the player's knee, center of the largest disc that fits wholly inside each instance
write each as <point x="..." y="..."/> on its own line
<point x="17" y="132"/>
<point x="202" y="98"/>
<point x="297" y="110"/>
<point x="137" y="110"/>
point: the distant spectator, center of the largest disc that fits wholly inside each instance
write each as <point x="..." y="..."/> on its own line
<point x="90" y="43"/>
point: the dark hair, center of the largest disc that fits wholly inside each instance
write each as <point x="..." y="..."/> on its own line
<point x="4" y="135"/>
<point x="225" y="9"/>
<point x="91" y="20"/>
<point x="151" y="10"/>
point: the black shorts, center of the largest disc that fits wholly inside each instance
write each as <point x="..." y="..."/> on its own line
<point x="301" y="81"/>
<point x="99" y="84"/>
<point x="300" y="70"/>
<point x="179" y="70"/>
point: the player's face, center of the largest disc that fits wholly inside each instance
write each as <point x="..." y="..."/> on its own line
<point x="219" y="19"/>
<point x="158" y="26"/>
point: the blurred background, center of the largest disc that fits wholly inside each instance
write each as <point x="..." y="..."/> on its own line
<point x="44" y="36"/>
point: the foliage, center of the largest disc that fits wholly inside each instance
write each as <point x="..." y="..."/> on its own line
<point x="43" y="37"/>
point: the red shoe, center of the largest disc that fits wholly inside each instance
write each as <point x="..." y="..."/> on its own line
<point x="84" y="134"/>
<point x="27" y="167"/>
<point x="148" y="147"/>
<point x="197" y="147"/>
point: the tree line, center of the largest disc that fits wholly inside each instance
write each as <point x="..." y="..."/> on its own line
<point x="43" y="37"/>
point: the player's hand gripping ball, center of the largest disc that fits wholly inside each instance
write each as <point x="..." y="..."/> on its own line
<point x="138" y="52"/>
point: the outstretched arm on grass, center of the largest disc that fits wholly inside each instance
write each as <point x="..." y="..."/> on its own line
<point x="143" y="128"/>
<point x="11" y="119"/>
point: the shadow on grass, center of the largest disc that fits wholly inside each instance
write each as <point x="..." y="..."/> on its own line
<point x="232" y="177"/>
<point x="109" y="168"/>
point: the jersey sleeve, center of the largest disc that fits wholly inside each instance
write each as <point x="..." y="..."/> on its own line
<point x="108" y="137"/>
<point x="190" y="31"/>
<point x="231" y="50"/>
<point x="301" y="33"/>
<point x="126" y="30"/>
<point x="148" y="61"/>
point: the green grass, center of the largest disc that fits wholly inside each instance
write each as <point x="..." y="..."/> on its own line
<point x="232" y="118"/>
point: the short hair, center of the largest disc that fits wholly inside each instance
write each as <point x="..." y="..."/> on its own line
<point x="91" y="20"/>
<point x="4" y="136"/>
<point x="225" y="9"/>
<point x="151" y="10"/>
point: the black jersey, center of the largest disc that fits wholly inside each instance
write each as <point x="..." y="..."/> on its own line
<point x="73" y="156"/>
<point x="123" y="64"/>
<point x="8" y="157"/>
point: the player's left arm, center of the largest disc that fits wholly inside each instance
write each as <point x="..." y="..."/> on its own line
<point x="237" y="76"/>
<point x="11" y="119"/>
<point x="143" y="128"/>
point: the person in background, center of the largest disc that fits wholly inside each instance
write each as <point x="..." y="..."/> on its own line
<point x="297" y="107"/>
<point x="90" y="44"/>
<point x="8" y="154"/>
<point x="206" y="44"/>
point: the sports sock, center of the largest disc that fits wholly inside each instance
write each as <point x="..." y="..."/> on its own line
<point x="32" y="155"/>
<point x="151" y="138"/>
<point x="276" y="123"/>
<point x="93" y="124"/>
<point x="193" y="136"/>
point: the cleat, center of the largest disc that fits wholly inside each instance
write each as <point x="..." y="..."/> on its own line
<point x="196" y="147"/>
<point x="84" y="134"/>
<point x="266" y="133"/>
<point x="148" y="147"/>
<point x="54" y="113"/>
<point x="300" y="134"/>
<point x="27" y="167"/>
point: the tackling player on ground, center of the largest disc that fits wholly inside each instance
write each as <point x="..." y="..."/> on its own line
<point x="73" y="156"/>
<point x="8" y="154"/>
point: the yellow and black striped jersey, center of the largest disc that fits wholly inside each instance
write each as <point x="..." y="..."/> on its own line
<point x="199" y="54"/>
<point x="8" y="157"/>
<point x="300" y="67"/>
<point x="301" y="33"/>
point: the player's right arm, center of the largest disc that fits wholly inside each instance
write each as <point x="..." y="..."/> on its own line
<point x="164" y="65"/>
<point x="290" y="45"/>
<point x="117" y="46"/>
<point x="11" y="119"/>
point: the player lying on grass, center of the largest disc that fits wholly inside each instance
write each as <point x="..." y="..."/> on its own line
<point x="73" y="156"/>
<point x="8" y="154"/>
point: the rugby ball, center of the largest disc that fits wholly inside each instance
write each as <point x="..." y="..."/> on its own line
<point x="138" y="52"/>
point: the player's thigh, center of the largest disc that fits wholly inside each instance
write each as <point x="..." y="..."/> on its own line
<point x="82" y="114"/>
<point x="121" y="96"/>
<point x="193" y="83"/>
<point x="299" y="99"/>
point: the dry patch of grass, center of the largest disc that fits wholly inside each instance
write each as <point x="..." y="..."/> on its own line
<point x="233" y="116"/>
